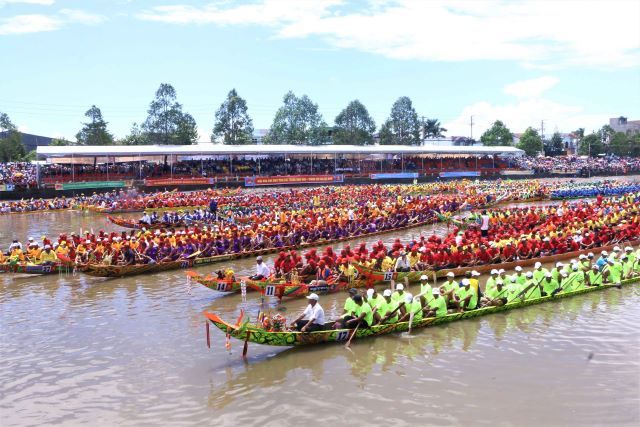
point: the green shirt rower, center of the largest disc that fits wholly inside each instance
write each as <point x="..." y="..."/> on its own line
<point x="438" y="304"/>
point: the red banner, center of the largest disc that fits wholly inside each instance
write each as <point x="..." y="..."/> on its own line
<point x="178" y="181"/>
<point x="252" y="181"/>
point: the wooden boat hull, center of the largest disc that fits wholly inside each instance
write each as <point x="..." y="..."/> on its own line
<point x="261" y="336"/>
<point x="271" y="288"/>
<point x="379" y="277"/>
<point x="35" y="268"/>
<point x="138" y="225"/>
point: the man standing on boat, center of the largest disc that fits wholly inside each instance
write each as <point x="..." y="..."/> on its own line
<point x="312" y="318"/>
<point x="484" y="224"/>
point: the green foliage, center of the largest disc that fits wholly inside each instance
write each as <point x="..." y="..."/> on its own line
<point x="385" y="135"/>
<point x="166" y="123"/>
<point x="497" y="135"/>
<point x="297" y="122"/>
<point x="591" y="145"/>
<point x="95" y="131"/>
<point x="11" y="148"/>
<point x="233" y="124"/>
<point x="432" y="128"/>
<point x="136" y="137"/>
<point x="619" y="144"/>
<point x="403" y="124"/>
<point x="530" y="142"/>
<point x="554" y="146"/>
<point x="354" y="125"/>
<point x="59" y="142"/>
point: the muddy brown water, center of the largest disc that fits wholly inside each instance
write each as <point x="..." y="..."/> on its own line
<point x="81" y="350"/>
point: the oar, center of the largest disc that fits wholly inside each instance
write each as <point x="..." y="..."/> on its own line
<point x="530" y="288"/>
<point x="348" y="344"/>
<point x="562" y="287"/>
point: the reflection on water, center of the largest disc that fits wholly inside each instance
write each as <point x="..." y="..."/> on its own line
<point x="77" y="349"/>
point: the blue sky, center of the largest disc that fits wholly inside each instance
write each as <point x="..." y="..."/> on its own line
<point x="569" y="63"/>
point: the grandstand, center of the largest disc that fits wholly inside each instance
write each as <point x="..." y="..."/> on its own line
<point x="213" y="163"/>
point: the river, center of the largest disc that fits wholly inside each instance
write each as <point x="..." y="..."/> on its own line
<point x="82" y="350"/>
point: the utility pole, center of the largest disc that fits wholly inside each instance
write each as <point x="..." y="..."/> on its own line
<point x="471" y="125"/>
<point x="542" y="135"/>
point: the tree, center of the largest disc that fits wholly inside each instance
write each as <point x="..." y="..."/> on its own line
<point x="591" y="145"/>
<point x="530" y="142"/>
<point x="555" y="146"/>
<point x="497" y="135"/>
<point x="166" y="123"/>
<point x="11" y="148"/>
<point x="59" y="142"/>
<point x="431" y="128"/>
<point x="95" y="131"/>
<point x="606" y="133"/>
<point x="297" y="122"/>
<point x="385" y="136"/>
<point x="620" y="144"/>
<point x="634" y="145"/>
<point x="136" y="137"/>
<point x="403" y="124"/>
<point x="233" y="124"/>
<point x="354" y="125"/>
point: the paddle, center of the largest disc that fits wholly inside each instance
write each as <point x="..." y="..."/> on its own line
<point x="348" y="344"/>
<point x="562" y="287"/>
<point x="529" y="288"/>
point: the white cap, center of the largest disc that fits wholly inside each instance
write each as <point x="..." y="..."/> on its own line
<point x="582" y="256"/>
<point x="450" y="274"/>
<point x="30" y="238"/>
<point x="548" y="275"/>
<point x="47" y="247"/>
<point x="529" y="274"/>
<point x="386" y="293"/>
<point x="590" y="255"/>
<point x="259" y="258"/>
<point x="559" y="264"/>
<point x="605" y="253"/>
<point x="494" y="271"/>
<point x="499" y="282"/>
<point x="88" y="241"/>
<point x="501" y="271"/>
<point x="538" y="265"/>
<point x="370" y="292"/>
<point x="314" y="297"/>
<point x="435" y="291"/>
<point x="399" y="287"/>
<point x="466" y="282"/>
<point x="423" y="277"/>
<point x="564" y="274"/>
<point x="518" y="268"/>
<point x="475" y="273"/>
<point x="617" y="249"/>
<point x="408" y="297"/>
<point x="628" y="248"/>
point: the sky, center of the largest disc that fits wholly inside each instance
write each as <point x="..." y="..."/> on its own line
<point x="558" y="64"/>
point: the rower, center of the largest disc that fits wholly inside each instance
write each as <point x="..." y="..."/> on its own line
<point x="613" y="271"/>
<point x="532" y="287"/>
<point x="602" y="261"/>
<point x="577" y="278"/>
<point x="262" y="271"/>
<point x="627" y="266"/>
<point x="450" y="286"/>
<point x="388" y="310"/>
<point x="555" y="272"/>
<point x="549" y="284"/>
<point x="398" y="295"/>
<point x="519" y="277"/>
<point x="363" y="314"/>
<point x="629" y="252"/>
<point x="465" y="297"/>
<point x="496" y="295"/>
<point x="413" y="305"/>
<point x="425" y="287"/>
<point x="348" y="310"/>
<point x="438" y="304"/>
<point x="513" y="289"/>
<point x="539" y="273"/>
<point x="584" y="263"/>
<point x="374" y="298"/>
<point x="312" y="318"/>
<point x="48" y="257"/>
<point x="491" y="281"/>
<point x="594" y="277"/>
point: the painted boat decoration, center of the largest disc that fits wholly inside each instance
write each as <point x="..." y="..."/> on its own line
<point x="272" y="288"/>
<point x="376" y="277"/>
<point x="65" y="265"/>
<point x="258" y="335"/>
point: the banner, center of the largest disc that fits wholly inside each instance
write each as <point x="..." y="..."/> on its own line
<point x="252" y="181"/>
<point x="516" y="172"/>
<point x="407" y="175"/>
<point x="459" y="174"/>
<point x="178" y="181"/>
<point x="93" y="184"/>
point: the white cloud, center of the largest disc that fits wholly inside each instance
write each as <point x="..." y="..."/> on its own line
<point x="37" y="23"/>
<point x="534" y="33"/>
<point x="532" y="87"/>
<point x="529" y="110"/>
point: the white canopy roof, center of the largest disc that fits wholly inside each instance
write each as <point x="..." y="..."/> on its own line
<point x="225" y="150"/>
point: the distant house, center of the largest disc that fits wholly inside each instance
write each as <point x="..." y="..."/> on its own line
<point x="30" y="141"/>
<point x="621" y="124"/>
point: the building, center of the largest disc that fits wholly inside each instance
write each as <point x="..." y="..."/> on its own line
<point x="30" y="141"/>
<point x="621" y="124"/>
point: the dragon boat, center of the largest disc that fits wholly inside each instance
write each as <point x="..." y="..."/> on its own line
<point x="27" y="268"/>
<point x="102" y="270"/>
<point x="130" y="223"/>
<point x="252" y="333"/>
<point x="376" y="277"/>
<point x="272" y="288"/>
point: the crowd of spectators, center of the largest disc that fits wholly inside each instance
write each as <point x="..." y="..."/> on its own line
<point x="19" y="175"/>
<point x="580" y="166"/>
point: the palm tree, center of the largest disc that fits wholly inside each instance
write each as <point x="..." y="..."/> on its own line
<point x="431" y="129"/>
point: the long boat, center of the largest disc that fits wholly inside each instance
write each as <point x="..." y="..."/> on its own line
<point x="256" y="334"/>
<point x="26" y="268"/>
<point x="102" y="270"/>
<point x="130" y="223"/>
<point x="376" y="277"/>
<point x="278" y="288"/>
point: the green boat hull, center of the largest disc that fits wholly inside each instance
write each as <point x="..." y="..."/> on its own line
<point x="261" y="336"/>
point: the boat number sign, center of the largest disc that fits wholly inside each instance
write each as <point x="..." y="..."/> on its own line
<point x="388" y="276"/>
